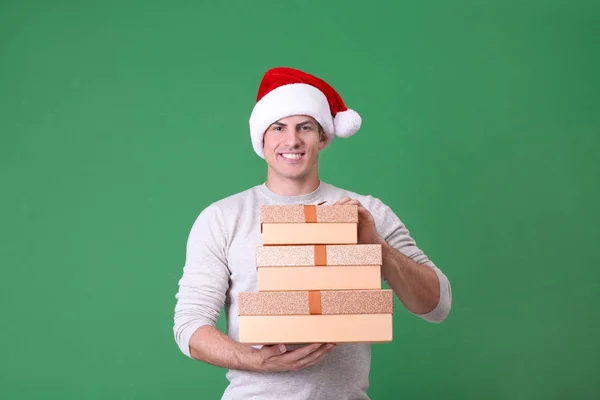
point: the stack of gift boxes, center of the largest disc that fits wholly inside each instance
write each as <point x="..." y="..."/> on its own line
<point x="316" y="283"/>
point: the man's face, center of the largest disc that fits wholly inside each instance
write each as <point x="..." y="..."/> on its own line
<point x="291" y="146"/>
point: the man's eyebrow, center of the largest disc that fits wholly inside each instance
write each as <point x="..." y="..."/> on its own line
<point x="301" y="123"/>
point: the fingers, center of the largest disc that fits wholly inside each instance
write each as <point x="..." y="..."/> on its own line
<point x="281" y="352"/>
<point x="364" y="214"/>
<point x="273" y="350"/>
<point x="362" y="210"/>
<point x="294" y="360"/>
<point x="300" y="353"/>
<point x="307" y="353"/>
<point x="342" y="200"/>
<point x="347" y="201"/>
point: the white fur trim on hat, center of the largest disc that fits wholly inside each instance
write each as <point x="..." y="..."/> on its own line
<point x="287" y="100"/>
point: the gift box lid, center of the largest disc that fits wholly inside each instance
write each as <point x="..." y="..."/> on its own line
<point x="307" y="213"/>
<point x="318" y="255"/>
<point x="375" y="301"/>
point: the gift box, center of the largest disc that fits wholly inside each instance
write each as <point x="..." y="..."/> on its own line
<point x="316" y="316"/>
<point x="309" y="224"/>
<point x="319" y="267"/>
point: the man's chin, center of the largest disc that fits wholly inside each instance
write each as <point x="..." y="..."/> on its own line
<point x="298" y="174"/>
<point x="293" y="176"/>
<point x="297" y="171"/>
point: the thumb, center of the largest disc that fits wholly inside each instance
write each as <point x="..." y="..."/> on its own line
<point x="273" y="350"/>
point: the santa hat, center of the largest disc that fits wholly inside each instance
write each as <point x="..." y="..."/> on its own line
<point x="287" y="91"/>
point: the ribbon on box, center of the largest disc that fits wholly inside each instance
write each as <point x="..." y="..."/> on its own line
<point x="320" y="251"/>
<point x="314" y="302"/>
<point x="310" y="212"/>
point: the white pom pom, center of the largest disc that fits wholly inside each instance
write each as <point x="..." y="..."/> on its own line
<point x="347" y="123"/>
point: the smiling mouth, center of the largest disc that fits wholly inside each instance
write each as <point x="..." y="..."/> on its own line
<point x="291" y="156"/>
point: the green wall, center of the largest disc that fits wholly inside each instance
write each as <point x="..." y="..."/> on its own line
<point x="121" y="120"/>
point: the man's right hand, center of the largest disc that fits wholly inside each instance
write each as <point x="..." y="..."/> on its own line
<point x="277" y="358"/>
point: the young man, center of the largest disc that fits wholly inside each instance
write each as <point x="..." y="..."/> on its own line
<point x="296" y="116"/>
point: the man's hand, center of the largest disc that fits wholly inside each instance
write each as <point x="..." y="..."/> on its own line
<point x="367" y="232"/>
<point x="276" y="358"/>
<point x="416" y="285"/>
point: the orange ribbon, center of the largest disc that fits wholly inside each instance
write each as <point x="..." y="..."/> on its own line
<point x="310" y="213"/>
<point x="320" y="255"/>
<point x="314" y="302"/>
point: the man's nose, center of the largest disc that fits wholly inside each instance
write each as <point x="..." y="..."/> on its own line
<point x="293" y="139"/>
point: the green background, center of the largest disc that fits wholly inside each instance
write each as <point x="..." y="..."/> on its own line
<point x="121" y="120"/>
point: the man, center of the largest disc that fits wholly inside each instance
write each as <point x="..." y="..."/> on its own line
<point x="296" y="116"/>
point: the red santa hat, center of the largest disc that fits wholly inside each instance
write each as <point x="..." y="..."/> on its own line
<point x="287" y="91"/>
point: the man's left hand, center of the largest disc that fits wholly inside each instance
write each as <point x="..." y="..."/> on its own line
<point x="367" y="232"/>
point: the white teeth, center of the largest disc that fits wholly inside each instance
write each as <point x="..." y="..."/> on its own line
<point x="291" y="156"/>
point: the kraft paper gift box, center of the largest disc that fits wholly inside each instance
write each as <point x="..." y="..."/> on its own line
<point x="319" y="267"/>
<point x="296" y="317"/>
<point x="309" y="224"/>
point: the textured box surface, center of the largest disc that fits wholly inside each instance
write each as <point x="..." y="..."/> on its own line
<point x="316" y="302"/>
<point x="307" y="255"/>
<point x="296" y="329"/>
<point x="306" y="234"/>
<point x="309" y="213"/>
<point x="319" y="278"/>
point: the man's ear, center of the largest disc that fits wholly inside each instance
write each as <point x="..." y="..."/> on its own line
<point x="322" y="139"/>
<point x="322" y="136"/>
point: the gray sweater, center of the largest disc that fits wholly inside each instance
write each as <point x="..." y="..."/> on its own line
<point x="221" y="262"/>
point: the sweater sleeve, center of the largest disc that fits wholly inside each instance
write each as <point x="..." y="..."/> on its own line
<point x="393" y="230"/>
<point x="205" y="279"/>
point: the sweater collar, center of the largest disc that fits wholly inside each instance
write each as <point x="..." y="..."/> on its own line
<point x="313" y="197"/>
